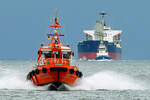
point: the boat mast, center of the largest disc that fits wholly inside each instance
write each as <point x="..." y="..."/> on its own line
<point x="55" y="32"/>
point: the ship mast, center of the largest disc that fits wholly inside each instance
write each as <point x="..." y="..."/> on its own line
<point x="103" y="14"/>
<point x="55" y="32"/>
<point x="99" y="28"/>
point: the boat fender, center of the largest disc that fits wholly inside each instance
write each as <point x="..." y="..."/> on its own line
<point x="77" y="73"/>
<point x="37" y="71"/>
<point x="33" y="73"/>
<point x="80" y="74"/>
<point x="71" y="71"/>
<point x="44" y="70"/>
<point x="29" y="76"/>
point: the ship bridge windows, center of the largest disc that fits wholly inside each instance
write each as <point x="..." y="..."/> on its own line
<point x="66" y="54"/>
<point x="56" y="54"/>
<point x="47" y="54"/>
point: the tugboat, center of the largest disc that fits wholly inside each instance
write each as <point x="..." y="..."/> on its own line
<point x="102" y="53"/>
<point x="54" y="63"/>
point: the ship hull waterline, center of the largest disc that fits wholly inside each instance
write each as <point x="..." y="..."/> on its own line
<point x="92" y="55"/>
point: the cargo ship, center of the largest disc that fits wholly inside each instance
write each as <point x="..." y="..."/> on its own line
<point x="102" y="34"/>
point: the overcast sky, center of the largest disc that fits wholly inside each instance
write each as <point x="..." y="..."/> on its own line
<point x="24" y="24"/>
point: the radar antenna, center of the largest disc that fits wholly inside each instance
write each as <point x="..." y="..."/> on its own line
<point x="103" y="14"/>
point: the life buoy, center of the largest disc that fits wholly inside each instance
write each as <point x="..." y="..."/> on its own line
<point x="71" y="71"/>
<point x="44" y="70"/>
<point x="37" y="71"/>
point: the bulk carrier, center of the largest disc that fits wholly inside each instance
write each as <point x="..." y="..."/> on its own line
<point x="101" y="42"/>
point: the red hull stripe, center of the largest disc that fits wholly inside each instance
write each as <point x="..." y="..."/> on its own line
<point x="92" y="55"/>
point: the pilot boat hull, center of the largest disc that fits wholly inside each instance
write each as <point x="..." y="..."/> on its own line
<point x="103" y="57"/>
<point x="55" y="76"/>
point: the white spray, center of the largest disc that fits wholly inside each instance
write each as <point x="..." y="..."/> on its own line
<point x="108" y="80"/>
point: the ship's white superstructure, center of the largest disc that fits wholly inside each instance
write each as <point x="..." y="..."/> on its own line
<point x="109" y="34"/>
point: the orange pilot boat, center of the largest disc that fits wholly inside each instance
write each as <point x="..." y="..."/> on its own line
<point x="54" y="63"/>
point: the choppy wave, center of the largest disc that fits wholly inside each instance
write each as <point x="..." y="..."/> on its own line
<point x="13" y="79"/>
<point x="109" y="80"/>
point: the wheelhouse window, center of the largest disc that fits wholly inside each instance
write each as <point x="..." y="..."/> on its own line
<point x="66" y="54"/>
<point x="47" y="54"/>
<point x="56" y="54"/>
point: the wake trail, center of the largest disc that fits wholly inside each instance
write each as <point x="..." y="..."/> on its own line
<point x="109" y="80"/>
<point x="13" y="79"/>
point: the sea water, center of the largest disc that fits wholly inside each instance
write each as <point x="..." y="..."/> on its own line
<point x="102" y="80"/>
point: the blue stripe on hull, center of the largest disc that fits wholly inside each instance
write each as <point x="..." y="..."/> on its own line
<point x="103" y="57"/>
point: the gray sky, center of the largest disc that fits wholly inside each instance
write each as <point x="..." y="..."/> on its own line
<point x="24" y="24"/>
